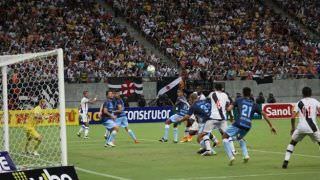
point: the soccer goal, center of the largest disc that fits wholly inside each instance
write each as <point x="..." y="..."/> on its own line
<point x="32" y="110"/>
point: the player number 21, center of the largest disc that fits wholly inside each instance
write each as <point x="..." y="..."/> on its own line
<point x="246" y="110"/>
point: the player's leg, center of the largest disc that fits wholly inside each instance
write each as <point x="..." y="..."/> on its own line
<point x="243" y="145"/>
<point x="187" y="130"/>
<point x="230" y="132"/>
<point x="125" y="124"/>
<point x="29" y="138"/>
<point x="36" y="136"/>
<point x="86" y="130"/>
<point x="82" y="127"/>
<point x="175" y="132"/>
<point x="111" y="125"/>
<point x="222" y="129"/>
<point x="296" y="137"/>
<point x="214" y="139"/>
<point x="208" y="127"/>
<point x="166" y="129"/>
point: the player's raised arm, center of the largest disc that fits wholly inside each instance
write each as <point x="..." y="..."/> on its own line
<point x="265" y="116"/>
<point x="91" y="101"/>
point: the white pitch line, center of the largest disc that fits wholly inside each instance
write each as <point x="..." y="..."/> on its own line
<point x="244" y="176"/>
<point x="100" y="174"/>
<point x="253" y="150"/>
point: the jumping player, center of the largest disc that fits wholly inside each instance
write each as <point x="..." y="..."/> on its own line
<point x="246" y="109"/>
<point x="85" y="101"/>
<point x="307" y="109"/>
<point x="201" y="109"/>
<point x="108" y="119"/>
<point x="122" y="120"/>
<point x="182" y="107"/>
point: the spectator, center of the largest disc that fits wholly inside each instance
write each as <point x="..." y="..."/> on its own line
<point x="260" y="99"/>
<point x="141" y="101"/>
<point x="271" y="99"/>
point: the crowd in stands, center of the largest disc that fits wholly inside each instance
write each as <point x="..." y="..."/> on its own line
<point x="95" y="47"/>
<point x="307" y="11"/>
<point x="224" y="40"/>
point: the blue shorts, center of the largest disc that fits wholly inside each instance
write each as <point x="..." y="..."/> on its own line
<point x="122" y="121"/>
<point x="234" y="131"/>
<point x="109" y="124"/>
<point x="175" y="118"/>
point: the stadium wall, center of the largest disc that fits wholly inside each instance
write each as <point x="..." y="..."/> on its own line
<point x="283" y="90"/>
<point x="74" y="92"/>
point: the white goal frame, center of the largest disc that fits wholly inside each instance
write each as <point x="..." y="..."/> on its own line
<point x="12" y="59"/>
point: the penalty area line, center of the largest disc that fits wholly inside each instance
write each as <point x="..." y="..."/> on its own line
<point x="244" y="176"/>
<point x="100" y="174"/>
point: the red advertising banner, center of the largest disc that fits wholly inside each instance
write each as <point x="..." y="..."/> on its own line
<point x="279" y="110"/>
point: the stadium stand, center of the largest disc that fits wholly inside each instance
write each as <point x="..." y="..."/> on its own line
<point x="95" y="47"/>
<point x="308" y="11"/>
<point x="224" y="40"/>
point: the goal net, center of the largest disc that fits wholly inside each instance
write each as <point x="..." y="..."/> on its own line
<point x="33" y="109"/>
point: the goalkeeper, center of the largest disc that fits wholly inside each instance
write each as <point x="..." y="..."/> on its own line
<point x="30" y="127"/>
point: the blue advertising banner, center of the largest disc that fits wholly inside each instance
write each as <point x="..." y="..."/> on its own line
<point x="6" y="163"/>
<point x="137" y="114"/>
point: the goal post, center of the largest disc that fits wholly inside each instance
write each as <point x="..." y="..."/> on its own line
<point x="27" y="79"/>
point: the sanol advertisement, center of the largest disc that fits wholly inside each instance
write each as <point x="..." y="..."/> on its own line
<point x="279" y="110"/>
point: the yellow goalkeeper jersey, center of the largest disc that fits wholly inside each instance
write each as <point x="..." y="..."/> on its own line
<point x="34" y="118"/>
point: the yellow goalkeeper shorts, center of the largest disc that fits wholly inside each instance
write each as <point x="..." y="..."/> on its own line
<point x="32" y="133"/>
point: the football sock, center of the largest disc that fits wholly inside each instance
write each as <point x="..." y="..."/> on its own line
<point x="232" y="144"/>
<point x="131" y="133"/>
<point x="86" y="131"/>
<point x="243" y="146"/>
<point x="213" y="138"/>
<point x="81" y="129"/>
<point x="175" y="134"/>
<point x="186" y="131"/>
<point x="206" y="140"/>
<point x="112" y="136"/>
<point x="166" y="131"/>
<point x="289" y="151"/>
<point x="202" y="144"/>
<point x="227" y="148"/>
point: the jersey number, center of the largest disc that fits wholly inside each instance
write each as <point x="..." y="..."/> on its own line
<point x="205" y="108"/>
<point x="246" y="111"/>
<point x="307" y="112"/>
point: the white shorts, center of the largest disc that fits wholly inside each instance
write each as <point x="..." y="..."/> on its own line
<point x="195" y="126"/>
<point x="84" y="118"/>
<point x="214" y="124"/>
<point x="298" y="136"/>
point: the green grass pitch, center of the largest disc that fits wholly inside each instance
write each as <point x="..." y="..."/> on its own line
<point x="154" y="160"/>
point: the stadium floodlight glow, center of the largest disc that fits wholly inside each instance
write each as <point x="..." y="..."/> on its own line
<point x="27" y="79"/>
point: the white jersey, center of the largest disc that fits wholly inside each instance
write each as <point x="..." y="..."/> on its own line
<point x="307" y="108"/>
<point x="84" y="105"/>
<point x="218" y="106"/>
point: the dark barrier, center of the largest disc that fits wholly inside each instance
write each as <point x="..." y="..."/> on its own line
<point x="137" y="114"/>
<point x="56" y="173"/>
<point x="6" y="163"/>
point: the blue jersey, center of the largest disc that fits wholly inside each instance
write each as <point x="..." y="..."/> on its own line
<point x="182" y="106"/>
<point x="246" y="109"/>
<point x="108" y="104"/>
<point x="201" y="109"/>
<point x="121" y="103"/>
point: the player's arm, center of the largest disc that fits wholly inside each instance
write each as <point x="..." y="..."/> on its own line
<point x="119" y="109"/>
<point x="293" y="121"/>
<point x="105" y="111"/>
<point x="294" y="113"/>
<point x="185" y="118"/>
<point x="91" y="101"/>
<point x="265" y="116"/>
